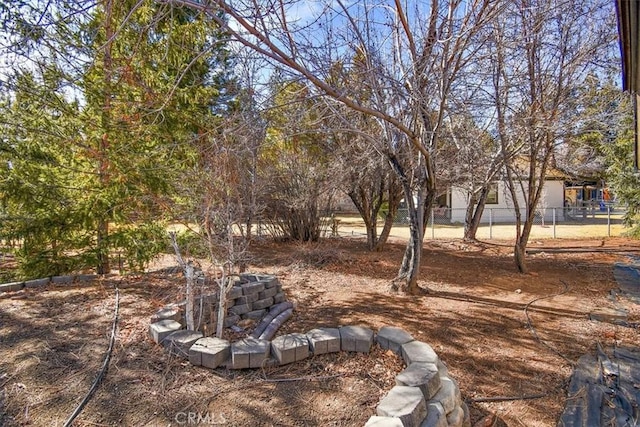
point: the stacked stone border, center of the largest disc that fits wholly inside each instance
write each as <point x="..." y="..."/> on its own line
<point x="424" y="395"/>
<point x="46" y="281"/>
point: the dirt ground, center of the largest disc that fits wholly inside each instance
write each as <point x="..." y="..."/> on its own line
<point x="502" y="335"/>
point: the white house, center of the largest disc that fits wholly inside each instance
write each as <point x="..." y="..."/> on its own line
<point x="499" y="205"/>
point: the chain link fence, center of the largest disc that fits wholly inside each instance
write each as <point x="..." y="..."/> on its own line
<point x="499" y="223"/>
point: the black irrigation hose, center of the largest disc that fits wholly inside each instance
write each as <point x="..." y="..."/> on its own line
<point x="535" y="334"/>
<point x="533" y="330"/>
<point x="105" y="365"/>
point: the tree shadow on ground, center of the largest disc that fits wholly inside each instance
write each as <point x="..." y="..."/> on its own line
<point x="57" y="338"/>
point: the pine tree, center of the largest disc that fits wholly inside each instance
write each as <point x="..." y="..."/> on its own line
<point x="98" y="129"/>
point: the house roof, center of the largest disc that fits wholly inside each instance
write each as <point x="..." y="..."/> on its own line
<point x="628" y="12"/>
<point x="521" y="164"/>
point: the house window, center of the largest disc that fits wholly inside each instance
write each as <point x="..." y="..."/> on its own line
<point x="492" y="197"/>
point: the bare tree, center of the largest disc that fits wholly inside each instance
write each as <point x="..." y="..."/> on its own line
<point x="297" y="164"/>
<point x="410" y="56"/>
<point x="218" y="202"/>
<point x="364" y="173"/>
<point x="372" y="186"/>
<point x="543" y="51"/>
<point x="474" y="165"/>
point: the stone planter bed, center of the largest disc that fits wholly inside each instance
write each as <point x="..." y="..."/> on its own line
<point x="424" y="394"/>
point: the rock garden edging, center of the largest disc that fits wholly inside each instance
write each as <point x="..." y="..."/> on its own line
<point x="424" y="395"/>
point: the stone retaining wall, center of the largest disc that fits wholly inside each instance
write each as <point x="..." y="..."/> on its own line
<point x="250" y="298"/>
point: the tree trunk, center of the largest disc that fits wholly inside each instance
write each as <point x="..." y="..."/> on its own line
<point x="102" y="242"/>
<point x="189" y="274"/>
<point x="394" y="196"/>
<point x="362" y="201"/>
<point x="522" y="239"/>
<point x="410" y="268"/>
<point x="103" y="265"/>
<point x="411" y="264"/>
<point x="386" y="230"/>
<point x="370" y="215"/>
<point x="225" y="285"/>
<point x="474" y="215"/>
<point x="371" y="225"/>
<point x="519" y="257"/>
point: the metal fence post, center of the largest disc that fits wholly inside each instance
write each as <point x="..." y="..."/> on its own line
<point x="433" y="225"/>
<point x="554" y="223"/>
<point x="490" y="224"/>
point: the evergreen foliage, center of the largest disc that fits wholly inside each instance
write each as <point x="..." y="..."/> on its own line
<point x="98" y="127"/>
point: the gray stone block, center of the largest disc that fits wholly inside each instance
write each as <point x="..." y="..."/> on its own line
<point x="178" y="343"/>
<point x="418" y="351"/>
<point x="62" y="280"/>
<point x="455" y="417"/>
<point x="279" y="297"/>
<point x="262" y="303"/>
<point x="251" y="298"/>
<point x="267" y="293"/>
<point x="158" y="331"/>
<point x="270" y="282"/>
<point x="248" y="278"/>
<point x="406" y="403"/>
<point x="324" y="340"/>
<point x="356" y="338"/>
<point x="255" y="314"/>
<point x="392" y="338"/>
<point x="240" y="309"/>
<point x="376" y="421"/>
<point x="448" y="395"/>
<point x="81" y="278"/>
<point x="234" y="292"/>
<point x="249" y="353"/>
<point x="36" y="283"/>
<point x="239" y="360"/>
<point x="290" y="348"/>
<point x="252" y="288"/>
<point x="425" y="376"/>
<point x="241" y="300"/>
<point x="209" y="352"/>
<point x="231" y="320"/>
<point x="436" y="417"/>
<point x="12" y="287"/>
<point x="166" y="313"/>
